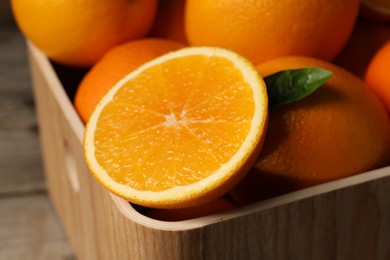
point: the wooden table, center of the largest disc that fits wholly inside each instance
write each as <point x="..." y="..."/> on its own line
<point x="29" y="228"/>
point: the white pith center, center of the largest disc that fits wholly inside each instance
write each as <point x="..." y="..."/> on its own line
<point x="171" y="120"/>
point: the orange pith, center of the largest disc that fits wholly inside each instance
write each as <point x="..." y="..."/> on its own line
<point x="182" y="122"/>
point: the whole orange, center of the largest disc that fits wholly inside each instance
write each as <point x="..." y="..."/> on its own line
<point x="378" y="76"/>
<point x="79" y="32"/>
<point x="169" y="22"/>
<point x="114" y="65"/>
<point x="339" y="130"/>
<point x="262" y="30"/>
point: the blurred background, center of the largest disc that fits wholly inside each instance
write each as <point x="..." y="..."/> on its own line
<point x="29" y="227"/>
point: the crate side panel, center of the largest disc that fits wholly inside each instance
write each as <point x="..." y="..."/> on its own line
<point x="55" y="147"/>
<point x="348" y="223"/>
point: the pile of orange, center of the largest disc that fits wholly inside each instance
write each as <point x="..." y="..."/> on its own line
<point x="80" y="32"/>
<point x="175" y="104"/>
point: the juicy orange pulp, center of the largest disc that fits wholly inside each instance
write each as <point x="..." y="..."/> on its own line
<point x="158" y="129"/>
<point x="180" y="130"/>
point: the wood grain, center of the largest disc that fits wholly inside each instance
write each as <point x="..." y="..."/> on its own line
<point x="29" y="228"/>
<point x="20" y="157"/>
<point x="344" y="219"/>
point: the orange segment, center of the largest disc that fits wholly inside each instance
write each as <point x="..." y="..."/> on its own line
<point x="222" y="138"/>
<point x="179" y="131"/>
<point x="153" y="99"/>
<point x="180" y="72"/>
<point x="180" y="159"/>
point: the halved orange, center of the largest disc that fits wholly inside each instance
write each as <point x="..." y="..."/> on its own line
<point x="179" y="131"/>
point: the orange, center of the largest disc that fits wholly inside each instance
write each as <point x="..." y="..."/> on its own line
<point x="213" y="207"/>
<point x="262" y="30"/>
<point x="114" y="65"/>
<point x="339" y="130"/>
<point x="367" y="37"/>
<point x="179" y="131"/>
<point x="169" y="22"/>
<point x="378" y="76"/>
<point x="79" y="32"/>
<point x="378" y="10"/>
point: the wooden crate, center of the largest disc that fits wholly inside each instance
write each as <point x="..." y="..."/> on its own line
<point x="344" y="219"/>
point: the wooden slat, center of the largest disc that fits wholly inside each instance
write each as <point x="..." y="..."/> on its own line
<point x="20" y="157"/>
<point x="14" y="71"/>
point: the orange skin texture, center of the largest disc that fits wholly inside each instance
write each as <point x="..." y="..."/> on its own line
<point x="377" y="75"/>
<point x="169" y="22"/>
<point x="340" y="130"/>
<point x="79" y="32"/>
<point x="114" y="65"/>
<point x="262" y="30"/>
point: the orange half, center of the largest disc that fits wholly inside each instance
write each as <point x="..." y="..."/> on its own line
<point x="179" y="131"/>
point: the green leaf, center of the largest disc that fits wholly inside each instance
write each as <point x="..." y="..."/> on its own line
<point x="288" y="86"/>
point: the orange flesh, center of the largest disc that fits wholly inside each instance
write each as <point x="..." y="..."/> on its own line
<point x="175" y="123"/>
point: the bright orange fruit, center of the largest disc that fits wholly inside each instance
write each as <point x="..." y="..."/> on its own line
<point x="179" y="131"/>
<point x="339" y="130"/>
<point x="262" y="30"/>
<point x="114" y="65"/>
<point x="79" y="32"/>
<point x="378" y="76"/>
